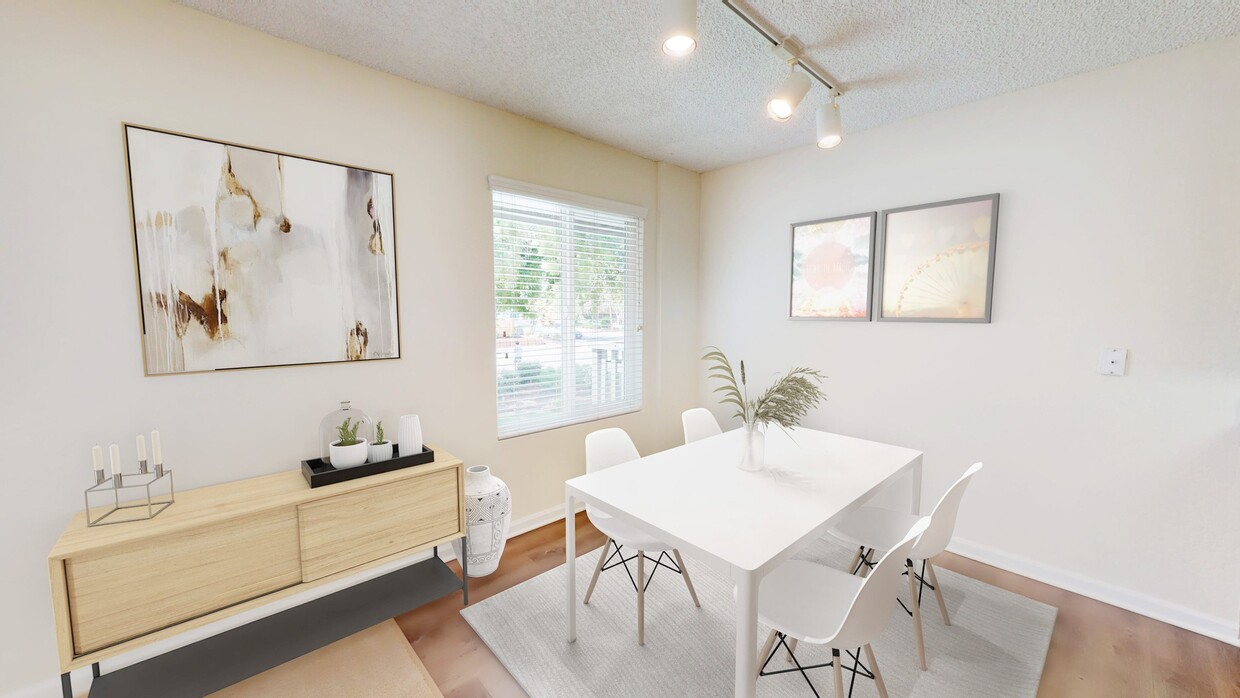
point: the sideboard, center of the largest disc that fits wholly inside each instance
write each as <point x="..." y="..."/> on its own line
<point x="223" y="550"/>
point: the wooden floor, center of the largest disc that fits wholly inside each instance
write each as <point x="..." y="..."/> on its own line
<point x="1096" y="650"/>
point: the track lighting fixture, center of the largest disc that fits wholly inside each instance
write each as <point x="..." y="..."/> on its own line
<point x="788" y="96"/>
<point x="678" y="27"/>
<point x="830" y="131"/>
<point x="678" y="36"/>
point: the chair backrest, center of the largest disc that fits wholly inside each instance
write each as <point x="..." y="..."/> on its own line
<point x="943" y="518"/>
<point x="871" y="609"/>
<point x="608" y="447"/>
<point x="699" y="423"/>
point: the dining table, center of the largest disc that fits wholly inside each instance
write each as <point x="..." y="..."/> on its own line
<point x="695" y="498"/>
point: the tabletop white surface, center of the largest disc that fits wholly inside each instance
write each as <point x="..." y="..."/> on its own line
<point x="696" y="495"/>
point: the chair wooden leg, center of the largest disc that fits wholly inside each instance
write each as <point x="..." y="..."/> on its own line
<point x="597" y="570"/>
<point x="912" y="589"/>
<point x="684" y="572"/>
<point x="792" y="647"/>
<point x="852" y="566"/>
<point x="641" y="597"/>
<point x="766" y="650"/>
<point x="938" y="592"/>
<point x="878" y="675"/>
<point x="838" y="670"/>
<point x="869" y="560"/>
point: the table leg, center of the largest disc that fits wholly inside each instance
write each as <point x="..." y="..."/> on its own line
<point x="916" y="486"/>
<point x="570" y="554"/>
<point x="66" y="685"/>
<point x="746" y="633"/>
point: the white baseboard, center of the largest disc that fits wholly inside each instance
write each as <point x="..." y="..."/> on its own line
<point x="1222" y="629"/>
<point x="81" y="677"/>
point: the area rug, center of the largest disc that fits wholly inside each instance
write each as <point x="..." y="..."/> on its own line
<point x="996" y="645"/>
<point x="375" y="663"/>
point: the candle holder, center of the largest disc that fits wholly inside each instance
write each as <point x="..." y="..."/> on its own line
<point x="112" y="510"/>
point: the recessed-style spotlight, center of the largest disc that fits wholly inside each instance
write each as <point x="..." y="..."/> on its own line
<point x="830" y="130"/>
<point x="788" y="96"/>
<point x="678" y="27"/>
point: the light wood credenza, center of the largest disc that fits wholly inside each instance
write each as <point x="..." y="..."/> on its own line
<point x="222" y="550"/>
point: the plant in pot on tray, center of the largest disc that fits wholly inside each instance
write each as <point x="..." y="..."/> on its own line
<point x="348" y="451"/>
<point x="380" y="448"/>
<point x="788" y="399"/>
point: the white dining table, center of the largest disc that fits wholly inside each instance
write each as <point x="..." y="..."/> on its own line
<point x="695" y="498"/>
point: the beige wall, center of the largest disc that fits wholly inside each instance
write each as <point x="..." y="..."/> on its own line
<point x="71" y="368"/>
<point x="1119" y="226"/>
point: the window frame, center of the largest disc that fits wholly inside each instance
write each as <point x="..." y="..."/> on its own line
<point x="634" y="302"/>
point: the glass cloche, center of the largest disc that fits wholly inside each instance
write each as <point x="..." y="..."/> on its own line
<point x="329" y="428"/>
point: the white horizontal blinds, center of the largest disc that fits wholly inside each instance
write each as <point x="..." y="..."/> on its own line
<point x="568" y="303"/>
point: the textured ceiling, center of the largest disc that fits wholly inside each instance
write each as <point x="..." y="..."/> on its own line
<point x="594" y="67"/>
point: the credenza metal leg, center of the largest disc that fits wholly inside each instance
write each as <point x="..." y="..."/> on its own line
<point x="66" y="685"/>
<point x="436" y="549"/>
<point x="94" y="670"/>
<point x="465" y="568"/>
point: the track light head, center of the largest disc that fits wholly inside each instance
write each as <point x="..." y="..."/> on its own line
<point x="678" y="27"/>
<point x="788" y="96"/>
<point x="830" y="130"/>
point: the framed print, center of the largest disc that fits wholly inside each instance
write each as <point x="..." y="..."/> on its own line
<point x="937" y="261"/>
<point x="250" y="258"/>
<point x="831" y="269"/>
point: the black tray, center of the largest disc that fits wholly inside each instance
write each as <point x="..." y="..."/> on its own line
<point x="319" y="473"/>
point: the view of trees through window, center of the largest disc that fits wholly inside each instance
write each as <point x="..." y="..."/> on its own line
<point x="567" y="313"/>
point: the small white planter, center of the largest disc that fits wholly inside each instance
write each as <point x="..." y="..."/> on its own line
<point x="380" y="451"/>
<point x="348" y="456"/>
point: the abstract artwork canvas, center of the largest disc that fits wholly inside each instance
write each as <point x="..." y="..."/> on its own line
<point x="937" y="261"/>
<point x="831" y="267"/>
<point x="250" y="258"/>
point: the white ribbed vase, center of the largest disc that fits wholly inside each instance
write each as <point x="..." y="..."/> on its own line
<point x="409" y="435"/>
<point x="488" y="515"/>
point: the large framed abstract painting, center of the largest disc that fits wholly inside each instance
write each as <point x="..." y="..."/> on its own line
<point x="249" y="258"/>
<point x="937" y="262"/>
<point x="831" y="269"/>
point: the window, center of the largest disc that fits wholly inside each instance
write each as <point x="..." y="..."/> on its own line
<point x="568" y="307"/>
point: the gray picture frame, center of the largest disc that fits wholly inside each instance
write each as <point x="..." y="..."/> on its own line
<point x="869" y="287"/>
<point x="880" y="271"/>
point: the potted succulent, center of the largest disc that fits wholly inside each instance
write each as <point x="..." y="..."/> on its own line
<point x="788" y="399"/>
<point x="380" y="448"/>
<point x="348" y="451"/>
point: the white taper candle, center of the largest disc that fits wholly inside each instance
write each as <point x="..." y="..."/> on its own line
<point x="96" y="455"/>
<point x="114" y="453"/>
<point x="156" y="451"/>
<point x="141" y="447"/>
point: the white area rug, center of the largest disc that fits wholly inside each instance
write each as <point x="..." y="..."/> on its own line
<point x="995" y="647"/>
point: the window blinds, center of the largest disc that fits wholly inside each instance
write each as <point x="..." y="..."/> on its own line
<point x="568" y="304"/>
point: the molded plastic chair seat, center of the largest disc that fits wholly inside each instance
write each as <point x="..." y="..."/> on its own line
<point x="808" y="601"/>
<point x="626" y="534"/>
<point x="873" y="527"/>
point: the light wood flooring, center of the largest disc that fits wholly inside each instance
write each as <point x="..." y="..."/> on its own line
<point x="1097" y="650"/>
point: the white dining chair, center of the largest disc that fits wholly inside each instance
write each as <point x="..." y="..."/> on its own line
<point x="699" y="423"/>
<point x="805" y="602"/>
<point x="875" y="529"/>
<point x="604" y="449"/>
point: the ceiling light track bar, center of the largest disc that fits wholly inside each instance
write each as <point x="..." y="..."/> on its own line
<point x="772" y="35"/>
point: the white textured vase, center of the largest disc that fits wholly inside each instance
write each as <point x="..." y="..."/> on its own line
<point x="410" y="435"/>
<point x="488" y="514"/>
<point x="753" y="447"/>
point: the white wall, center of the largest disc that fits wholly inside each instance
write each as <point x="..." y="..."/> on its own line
<point x="71" y="368"/>
<point x="1119" y="226"/>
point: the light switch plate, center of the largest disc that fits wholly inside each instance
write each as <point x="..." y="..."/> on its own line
<point x="1112" y="362"/>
